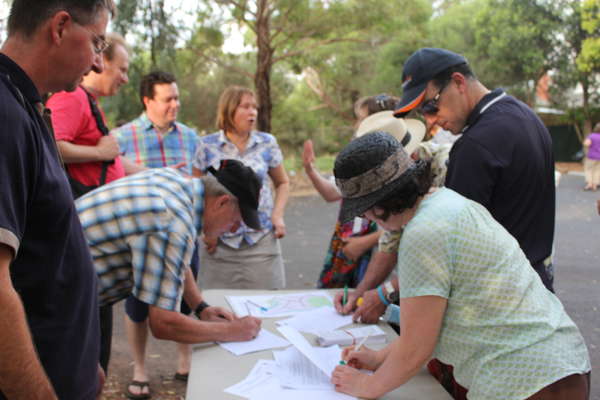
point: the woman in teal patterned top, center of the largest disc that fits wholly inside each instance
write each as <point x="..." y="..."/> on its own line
<point x="468" y="294"/>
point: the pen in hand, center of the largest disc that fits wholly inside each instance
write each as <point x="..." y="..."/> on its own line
<point x="360" y="344"/>
<point x="345" y="298"/>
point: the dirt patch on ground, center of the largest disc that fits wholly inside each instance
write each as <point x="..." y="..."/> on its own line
<point x="566" y="167"/>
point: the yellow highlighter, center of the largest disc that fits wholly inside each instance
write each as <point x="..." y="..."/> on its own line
<point x="359" y="302"/>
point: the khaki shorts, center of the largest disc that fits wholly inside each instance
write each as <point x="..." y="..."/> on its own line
<point x="250" y="267"/>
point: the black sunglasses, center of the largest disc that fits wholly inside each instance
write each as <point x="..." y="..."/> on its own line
<point x="430" y="107"/>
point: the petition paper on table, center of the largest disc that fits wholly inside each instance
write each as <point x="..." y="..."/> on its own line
<point x="279" y="305"/>
<point x="322" y="319"/>
<point x="324" y="363"/>
<point x="264" y="340"/>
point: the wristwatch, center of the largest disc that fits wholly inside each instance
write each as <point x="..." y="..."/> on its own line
<point x="389" y="288"/>
<point x="200" y="308"/>
<point x="393" y="297"/>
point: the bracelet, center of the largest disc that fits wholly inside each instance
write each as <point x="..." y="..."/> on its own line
<point x="200" y="308"/>
<point x="381" y="296"/>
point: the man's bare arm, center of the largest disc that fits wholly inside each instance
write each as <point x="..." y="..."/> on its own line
<point x="107" y="149"/>
<point x="21" y="373"/>
<point x="380" y="267"/>
<point x="172" y="325"/>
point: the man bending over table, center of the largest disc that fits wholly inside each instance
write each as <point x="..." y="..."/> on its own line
<point x="142" y="230"/>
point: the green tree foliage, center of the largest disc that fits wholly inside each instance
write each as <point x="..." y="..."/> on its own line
<point x="589" y="59"/>
<point x="571" y="71"/>
<point x="156" y="34"/>
<point x="516" y="43"/>
<point x="310" y="60"/>
<point x="454" y="28"/>
<point x="342" y="72"/>
<point x="295" y="31"/>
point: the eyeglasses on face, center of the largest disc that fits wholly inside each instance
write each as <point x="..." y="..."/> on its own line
<point x="100" y="44"/>
<point x="430" y="107"/>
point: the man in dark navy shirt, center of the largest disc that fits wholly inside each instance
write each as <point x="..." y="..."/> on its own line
<point x="504" y="158"/>
<point x="49" y="334"/>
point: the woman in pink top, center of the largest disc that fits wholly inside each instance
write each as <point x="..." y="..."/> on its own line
<point x="592" y="164"/>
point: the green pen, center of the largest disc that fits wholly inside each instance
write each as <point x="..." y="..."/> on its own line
<point x="345" y="298"/>
<point x="342" y="362"/>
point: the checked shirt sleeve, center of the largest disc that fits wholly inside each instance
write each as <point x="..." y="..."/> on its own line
<point x="159" y="260"/>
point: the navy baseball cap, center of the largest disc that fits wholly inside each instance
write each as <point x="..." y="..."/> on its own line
<point x="244" y="184"/>
<point x="418" y="70"/>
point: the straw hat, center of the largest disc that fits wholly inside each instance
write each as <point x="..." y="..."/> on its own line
<point x="409" y="132"/>
<point x="368" y="169"/>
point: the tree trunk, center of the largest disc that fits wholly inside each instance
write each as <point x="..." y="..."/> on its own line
<point x="587" y="121"/>
<point x="264" y="63"/>
<point x="153" y="45"/>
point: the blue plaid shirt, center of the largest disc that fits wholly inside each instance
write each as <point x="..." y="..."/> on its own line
<point x="141" y="231"/>
<point x="141" y="143"/>
<point x="262" y="153"/>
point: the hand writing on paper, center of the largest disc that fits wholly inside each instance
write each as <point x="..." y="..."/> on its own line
<point x="350" y="302"/>
<point x="216" y="314"/>
<point x="243" y="329"/>
<point x="349" y="380"/>
<point x="365" y="358"/>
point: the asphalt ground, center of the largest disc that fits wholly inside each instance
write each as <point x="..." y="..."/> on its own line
<point x="310" y="223"/>
<point x="577" y="264"/>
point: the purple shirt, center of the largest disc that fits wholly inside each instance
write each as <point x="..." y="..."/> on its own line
<point x="594" y="149"/>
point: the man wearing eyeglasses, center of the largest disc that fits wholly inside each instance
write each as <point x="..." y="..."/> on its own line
<point x="49" y="333"/>
<point x="90" y="154"/>
<point x="504" y="158"/>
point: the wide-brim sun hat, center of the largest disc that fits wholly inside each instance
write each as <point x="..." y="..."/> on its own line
<point x="368" y="169"/>
<point x="409" y="132"/>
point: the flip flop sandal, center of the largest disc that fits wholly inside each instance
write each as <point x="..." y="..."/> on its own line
<point x="182" y="377"/>
<point x="139" y="396"/>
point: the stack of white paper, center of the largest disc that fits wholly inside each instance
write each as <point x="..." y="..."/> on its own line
<point x="261" y="376"/>
<point x="322" y="360"/>
<point x="292" y="376"/>
<point x="295" y="371"/>
<point x="322" y="319"/>
<point x="351" y="336"/>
